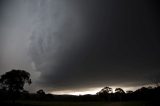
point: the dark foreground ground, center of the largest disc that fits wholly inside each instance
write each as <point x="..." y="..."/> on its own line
<point x="37" y="103"/>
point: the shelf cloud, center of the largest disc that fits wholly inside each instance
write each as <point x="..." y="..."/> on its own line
<point x="77" y="44"/>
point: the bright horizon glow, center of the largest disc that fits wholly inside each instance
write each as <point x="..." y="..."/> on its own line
<point x="91" y="91"/>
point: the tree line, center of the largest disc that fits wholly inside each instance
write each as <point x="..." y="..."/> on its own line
<point x="12" y="88"/>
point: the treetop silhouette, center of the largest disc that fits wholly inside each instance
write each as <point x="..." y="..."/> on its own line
<point x="119" y="90"/>
<point x="15" y="80"/>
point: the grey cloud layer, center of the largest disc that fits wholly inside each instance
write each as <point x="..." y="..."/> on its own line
<point x="96" y="43"/>
<point x="91" y="43"/>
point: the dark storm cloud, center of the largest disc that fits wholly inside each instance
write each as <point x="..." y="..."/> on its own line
<point x="113" y="43"/>
<point x="93" y="43"/>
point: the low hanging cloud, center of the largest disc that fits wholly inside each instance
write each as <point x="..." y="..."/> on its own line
<point x="96" y="43"/>
<point x="77" y="44"/>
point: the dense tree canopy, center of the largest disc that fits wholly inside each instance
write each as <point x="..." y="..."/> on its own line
<point x="105" y="91"/>
<point x="14" y="80"/>
<point x="119" y="90"/>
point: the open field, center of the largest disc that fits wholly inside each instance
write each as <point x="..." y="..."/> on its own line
<point x="35" y="103"/>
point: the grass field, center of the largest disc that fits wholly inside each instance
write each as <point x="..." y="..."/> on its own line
<point x="35" y="103"/>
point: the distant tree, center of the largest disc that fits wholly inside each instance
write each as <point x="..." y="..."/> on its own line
<point x="105" y="90"/>
<point x="40" y="92"/>
<point x="119" y="90"/>
<point x="14" y="81"/>
<point x="105" y="93"/>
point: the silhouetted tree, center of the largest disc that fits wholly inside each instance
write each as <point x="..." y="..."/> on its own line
<point x="105" y="90"/>
<point x="13" y="81"/>
<point x="105" y="93"/>
<point x="119" y="92"/>
<point x="40" y="92"/>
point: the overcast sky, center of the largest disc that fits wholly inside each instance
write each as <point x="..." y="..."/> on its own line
<point x="81" y="44"/>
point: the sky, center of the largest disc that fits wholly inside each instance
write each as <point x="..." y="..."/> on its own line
<point x="81" y="46"/>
